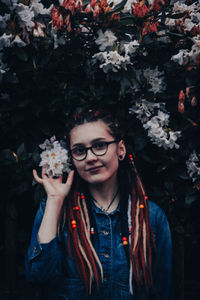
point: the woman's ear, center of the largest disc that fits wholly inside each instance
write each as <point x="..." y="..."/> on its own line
<point x="121" y="150"/>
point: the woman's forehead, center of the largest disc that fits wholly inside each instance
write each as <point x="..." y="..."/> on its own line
<point x="90" y="131"/>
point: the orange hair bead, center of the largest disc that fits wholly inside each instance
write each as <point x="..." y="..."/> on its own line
<point x="141" y="206"/>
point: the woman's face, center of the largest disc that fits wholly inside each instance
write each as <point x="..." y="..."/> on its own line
<point x="96" y="169"/>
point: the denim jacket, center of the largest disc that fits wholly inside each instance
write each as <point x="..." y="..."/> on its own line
<point x="50" y="264"/>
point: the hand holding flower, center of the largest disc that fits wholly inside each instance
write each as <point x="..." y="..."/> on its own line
<point x="54" y="187"/>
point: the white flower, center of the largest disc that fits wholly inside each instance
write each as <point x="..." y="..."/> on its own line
<point x="156" y="79"/>
<point x="54" y="158"/>
<point x="26" y="16"/>
<point x="38" y="30"/>
<point x="145" y="109"/>
<point x="188" y="24"/>
<point x="193" y="166"/>
<point x="182" y="57"/>
<point x="46" y="145"/>
<point x="3" y="20"/>
<point x="111" y="60"/>
<point x="105" y="39"/>
<point x="5" y="40"/>
<point x="160" y="134"/>
<point x="39" y="9"/>
<point x="131" y="47"/>
<point x="155" y="120"/>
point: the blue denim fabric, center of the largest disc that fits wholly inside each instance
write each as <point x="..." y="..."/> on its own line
<point x="50" y="264"/>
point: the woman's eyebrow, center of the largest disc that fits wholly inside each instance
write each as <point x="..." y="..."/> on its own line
<point x="91" y="142"/>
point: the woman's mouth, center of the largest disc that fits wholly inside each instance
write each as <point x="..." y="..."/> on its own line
<point x="94" y="169"/>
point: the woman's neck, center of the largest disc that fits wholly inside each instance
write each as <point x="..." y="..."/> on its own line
<point x="104" y="193"/>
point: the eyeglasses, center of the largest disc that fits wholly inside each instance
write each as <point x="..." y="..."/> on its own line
<point x="98" y="148"/>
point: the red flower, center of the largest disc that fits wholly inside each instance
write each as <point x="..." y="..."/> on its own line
<point x="157" y="4"/>
<point x="140" y="9"/>
<point x="149" y="26"/>
<point x="181" y="96"/>
<point x="57" y="18"/>
<point x="181" y="107"/>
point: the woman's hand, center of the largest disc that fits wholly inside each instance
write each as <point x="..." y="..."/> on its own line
<point x="54" y="187"/>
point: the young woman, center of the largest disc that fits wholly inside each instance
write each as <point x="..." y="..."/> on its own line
<point x="96" y="236"/>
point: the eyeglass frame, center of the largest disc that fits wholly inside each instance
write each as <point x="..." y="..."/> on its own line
<point x="90" y="148"/>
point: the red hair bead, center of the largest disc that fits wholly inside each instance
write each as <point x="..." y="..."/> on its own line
<point x="82" y="197"/>
<point x="76" y="207"/>
<point x="125" y="242"/>
<point x="131" y="156"/>
<point x="73" y="223"/>
<point x="92" y="230"/>
<point x="146" y="197"/>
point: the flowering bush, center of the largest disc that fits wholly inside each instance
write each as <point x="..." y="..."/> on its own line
<point x="141" y="59"/>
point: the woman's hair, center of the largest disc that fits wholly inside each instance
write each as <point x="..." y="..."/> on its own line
<point x="134" y="214"/>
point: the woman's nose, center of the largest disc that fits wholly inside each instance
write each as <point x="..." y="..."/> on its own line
<point x="90" y="155"/>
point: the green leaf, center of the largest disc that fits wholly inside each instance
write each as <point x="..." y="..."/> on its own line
<point x="175" y="16"/>
<point x="189" y="199"/>
<point x="21" y="54"/>
<point x="117" y="8"/>
<point x="21" y="149"/>
<point x="7" y="158"/>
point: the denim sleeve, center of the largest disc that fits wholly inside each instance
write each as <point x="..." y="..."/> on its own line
<point x="43" y="261"/>
<point x="162" y="259"/>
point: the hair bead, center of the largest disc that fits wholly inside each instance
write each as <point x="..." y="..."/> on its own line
<point x="124" y="239"/>
<point x="76" y="207"/>
<point x="74" y="224"/>
<point x="92" y="230"/>
<point x="141" y="206"/>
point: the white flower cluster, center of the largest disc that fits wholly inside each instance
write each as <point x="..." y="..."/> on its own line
<point x="111" y="60"/>
<point x="54" y="158"/>
<point x="193" y="166"/>
<point x="105" y="39"/>
<point x="185" y="56"/>
<point x="156" y="79"/>
<point x="190" y="21"/>
<point x="25" y="15"/>
<point x="156" y="125"/>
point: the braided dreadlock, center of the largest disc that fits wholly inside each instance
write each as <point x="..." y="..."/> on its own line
<point x="134" y="215"/>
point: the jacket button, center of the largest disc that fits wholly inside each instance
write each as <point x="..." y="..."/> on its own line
<point x="106" y="255"/>
<point x="105" y="232"/>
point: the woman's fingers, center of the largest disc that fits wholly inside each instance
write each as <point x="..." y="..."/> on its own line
<point x="70" y="178"/>
<point x="37" y="178"/>
<point x="43" y="173"/>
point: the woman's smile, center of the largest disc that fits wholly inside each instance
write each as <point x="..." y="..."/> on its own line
<point x="94" y="169"/>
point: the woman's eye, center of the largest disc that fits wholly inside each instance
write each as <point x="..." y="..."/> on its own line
<point x="99" y="145"/>
<point x="78" y="151"/>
